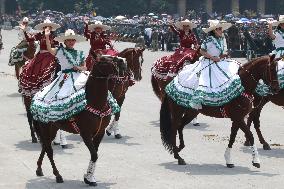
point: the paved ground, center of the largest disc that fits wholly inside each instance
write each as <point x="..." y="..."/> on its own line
<point x="138" y="160"/>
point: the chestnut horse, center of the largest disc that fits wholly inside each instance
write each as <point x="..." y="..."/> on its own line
<point x="119" y="86"/>
<point x="259" y="102"/>
<point x="174" y="117"/>
<point x="91" y="122"/>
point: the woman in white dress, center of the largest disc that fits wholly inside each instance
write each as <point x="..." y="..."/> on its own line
<point x="65" y="96"/>
<point x="213" y="80"/>
<point x="277" y="36"/>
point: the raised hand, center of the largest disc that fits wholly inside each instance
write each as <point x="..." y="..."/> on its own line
<point x="22" y="26"/>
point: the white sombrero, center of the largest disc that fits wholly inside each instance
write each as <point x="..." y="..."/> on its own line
<point x="99" y="24"/>
<point x="280" y="21"/>
<point x="47" y="22"/>
<point x="70" y="34"/>
<point x="25" y="19"/>
<point x="214" y="24"/>
<point x="186" y="22"/>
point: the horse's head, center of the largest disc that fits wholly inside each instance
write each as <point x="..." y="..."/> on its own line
<point x="105" y="67"/>
<point x="267" y="71"/>
<point x="134" y="58"/>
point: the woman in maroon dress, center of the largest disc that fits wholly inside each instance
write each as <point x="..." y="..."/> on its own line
<point x="39" y="72"/>
<point x="98" y="41"/>
<point x="168" y="66"/>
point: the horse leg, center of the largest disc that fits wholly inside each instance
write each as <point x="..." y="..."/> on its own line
<point x="30" y="119"/>
<point x="170" y="117"/>
<point x="227" y="155"/>
<point x="39" y="162"/>
<point x="177" y="114"/>
<point x="187" y="118"/>
<point x="17" y="71"/>
<point x="254" y="117"/>
<point x="256" y="123"/>
<point x="113" y="127"/>
<point x="89" y="177"/>
<point x="255" y="155"/>
<point x="48" y="134"/>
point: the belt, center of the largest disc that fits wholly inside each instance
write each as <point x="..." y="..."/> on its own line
<point x="68" y="70"/>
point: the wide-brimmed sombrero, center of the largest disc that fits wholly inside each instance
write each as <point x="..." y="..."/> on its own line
<point x="214" y="24"/>
<point x="99" y="24"/>
<point x="70" y="34"/>
<point x="47" y="22"/>
<point x="186" y="22"/>
<point x="280" y="21"/>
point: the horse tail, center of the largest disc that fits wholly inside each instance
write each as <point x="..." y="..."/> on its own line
<point x="155" y="86"/>
<point x="166" y="126"/>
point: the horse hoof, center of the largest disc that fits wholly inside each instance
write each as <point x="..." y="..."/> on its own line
<point x="90" y="183"/>
<point x="34" y="140"/>
<point x="266" y="146"/>
<point x="181" y="162"/>
<point x="196" y="124"/>
<point x="39" y="172"/>
<point x="247" y="143"/>
<point x="56" y="143"/>
<point x="257" y="165"/>
<point x="118" y="136"/>
<point x="108" y="133"/>
<point x="64" y="146"/>
<point x="230" y="165"/>
<point x="59" y="179"/>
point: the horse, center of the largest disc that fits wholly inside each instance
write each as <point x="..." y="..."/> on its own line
<point x="174" y="117"/>
<point x="259" y="102"/>
<point x="119" y="86"/>
<point x="27" y="55"/>
<point x="91" y="122"/>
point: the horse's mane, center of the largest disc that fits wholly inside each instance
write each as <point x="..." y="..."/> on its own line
<point x="254" y="61"/>
<point x="125" y="50"/>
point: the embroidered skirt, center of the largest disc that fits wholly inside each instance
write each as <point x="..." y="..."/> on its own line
<point x="169" y="66"/>
<point x="64" y="98"/>
<point x="37" y="73"/>
<point x="206" y="83"/>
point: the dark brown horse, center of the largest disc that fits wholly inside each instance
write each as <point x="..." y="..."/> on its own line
<point x="91" y="122"/>
<point x="254" y="115"/>
<point x="174" y="117"/>
<point x="119" y="86"/>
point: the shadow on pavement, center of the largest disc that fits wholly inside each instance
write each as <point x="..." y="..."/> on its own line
<point x="273" y="153"/>
<point x="47" y="183"/>
<point x="124" y="140"/>
<point x="202" y="127"/>
<point x="213" y="169"/>
<point x="27" y="145"/>
<point x="107" y="139"/>
<point x="13" y="95"/>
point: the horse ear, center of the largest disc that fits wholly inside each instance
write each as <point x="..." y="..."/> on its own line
<point x="272" y="57"/>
